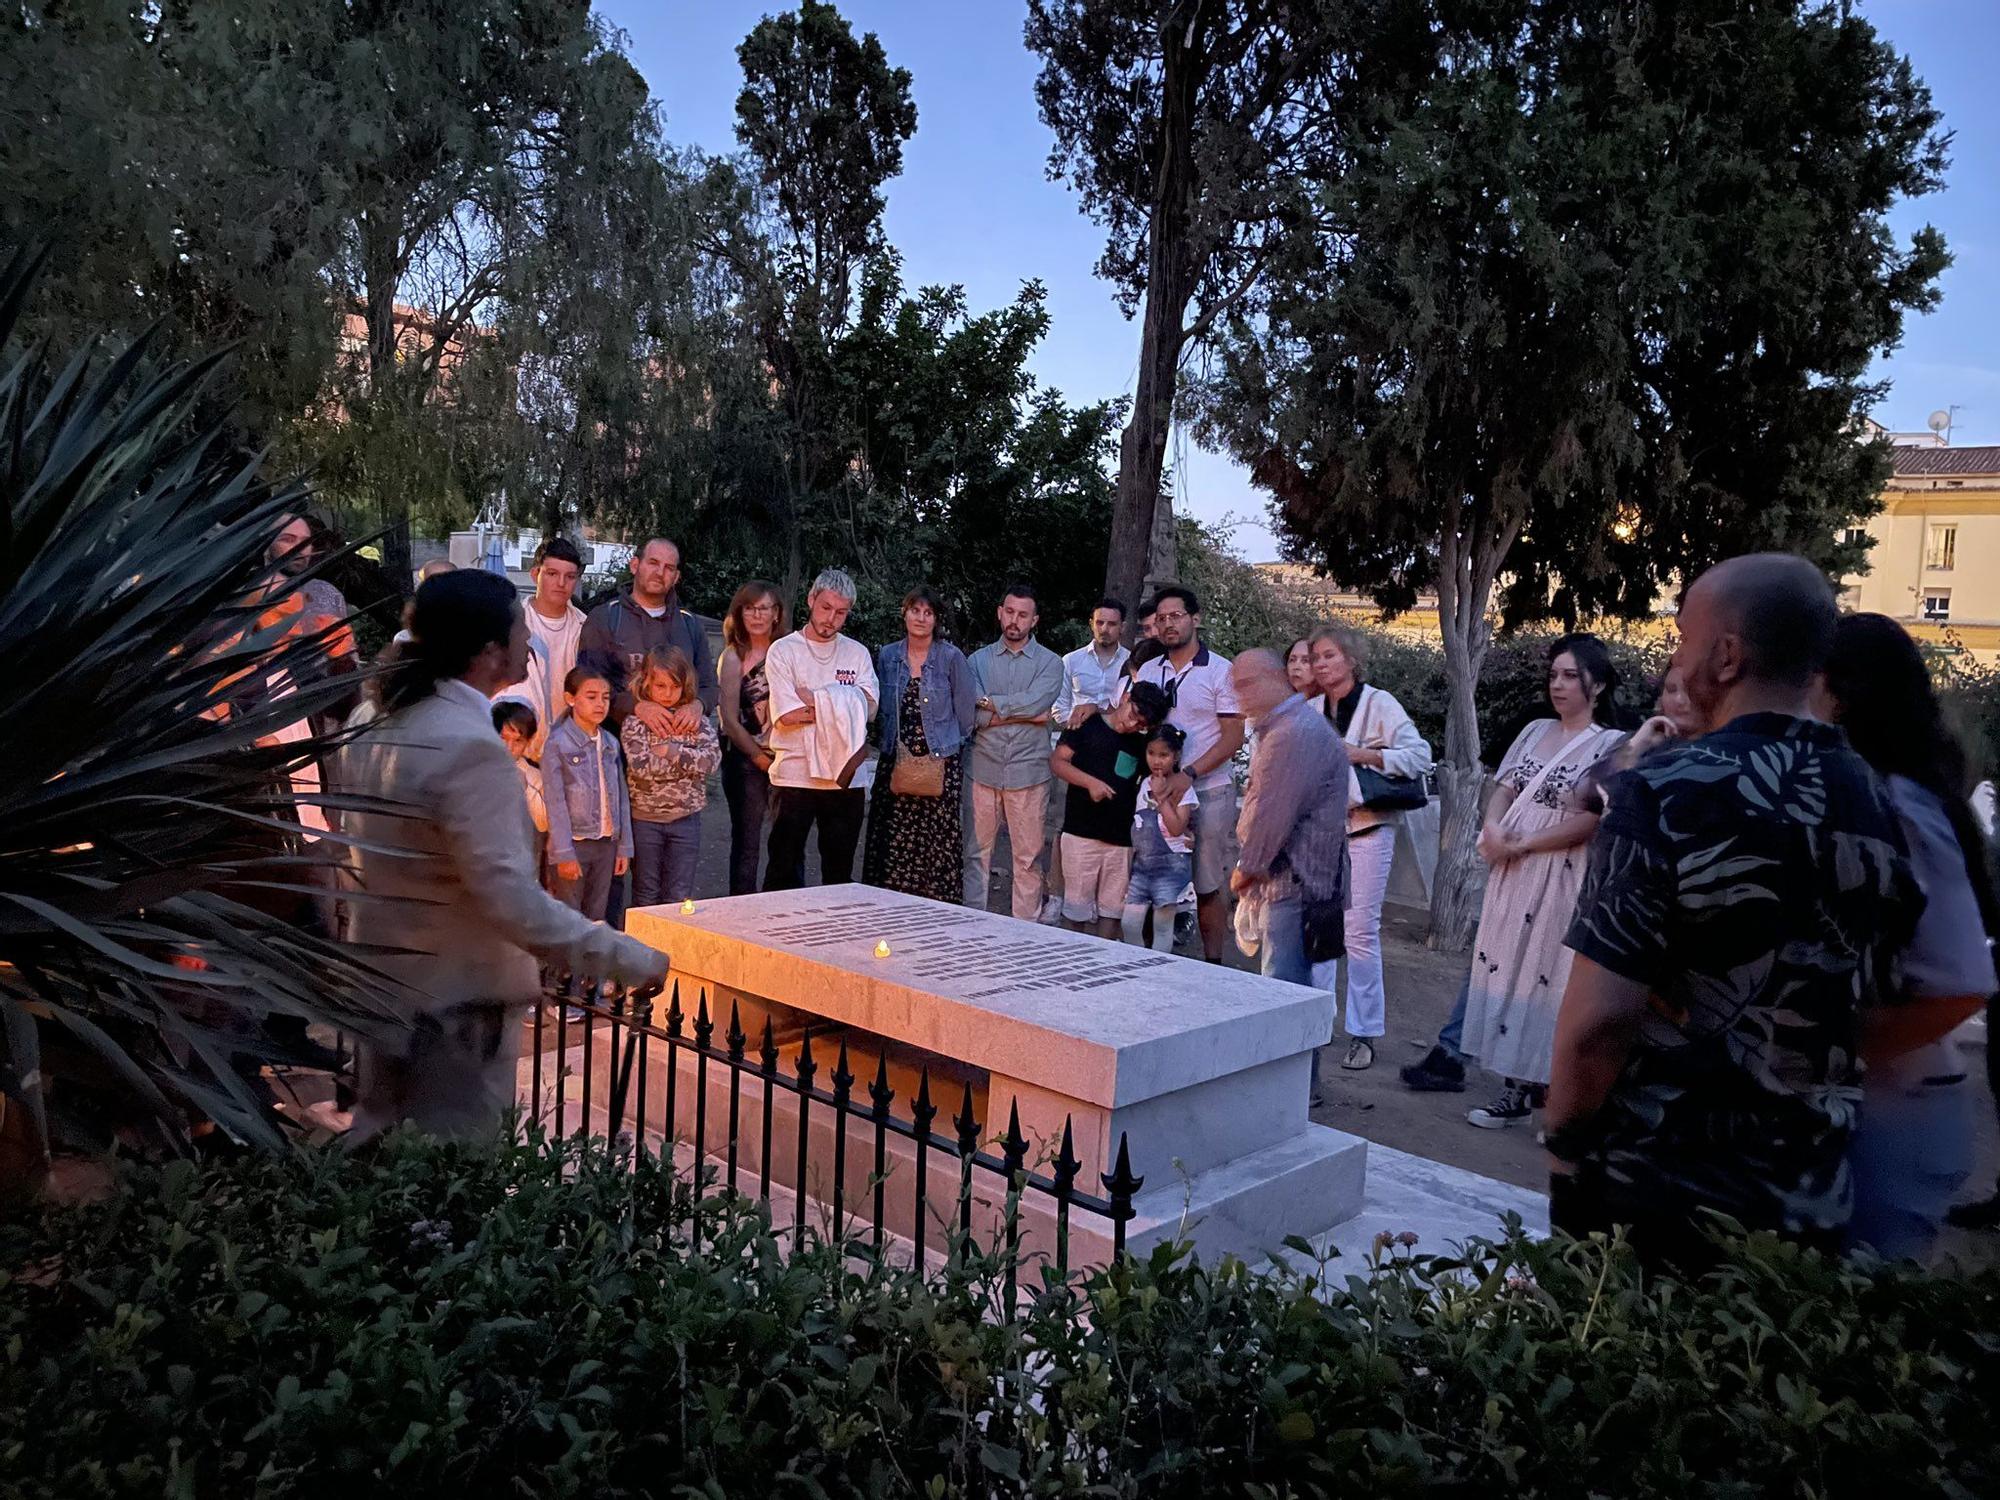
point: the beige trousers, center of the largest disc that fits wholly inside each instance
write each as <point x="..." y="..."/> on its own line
<point x="1024" y="809"/>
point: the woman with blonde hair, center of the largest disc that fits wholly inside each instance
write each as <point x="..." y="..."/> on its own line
<point x="667" y="775"/>
<point x="1388" y="761"/>
<point x="756" y="617"/>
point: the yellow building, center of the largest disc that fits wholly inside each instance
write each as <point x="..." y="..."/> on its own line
<point x="1935" y="563"/>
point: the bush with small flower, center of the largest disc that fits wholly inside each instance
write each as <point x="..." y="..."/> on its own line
<point x="552" y="1320"/>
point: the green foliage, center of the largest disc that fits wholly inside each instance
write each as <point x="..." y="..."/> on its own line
<point x="521" y="1319"/>
<point x="149" y="879"/>
<point x="1547" y="334"/>
<point x="1188" y="132"/>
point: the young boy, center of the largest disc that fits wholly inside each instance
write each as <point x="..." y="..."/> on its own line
<point x="583" y="781"/>
<point x="1103" y="759"/>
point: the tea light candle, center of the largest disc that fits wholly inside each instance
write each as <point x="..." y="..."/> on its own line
<point x="882" y="948"/>
<point x="687" y="907"/>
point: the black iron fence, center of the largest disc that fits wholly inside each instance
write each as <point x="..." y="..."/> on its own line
<point x="620" y="1083"/>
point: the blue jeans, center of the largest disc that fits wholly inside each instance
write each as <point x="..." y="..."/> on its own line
<point x="1282" y="954"/>
<point x="663" y="859"/>
<point x="1452" y="1038"/>
<point x="590" y="892"/>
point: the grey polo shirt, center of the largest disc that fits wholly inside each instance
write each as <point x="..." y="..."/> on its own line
<point x="1021" y="683"/>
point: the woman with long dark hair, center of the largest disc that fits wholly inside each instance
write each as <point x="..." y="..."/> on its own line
<point x="1913" y="1148"/>
<point x="755" y="618"/>
<point x="1538" y="821"/>
<point x="447" y="870"/>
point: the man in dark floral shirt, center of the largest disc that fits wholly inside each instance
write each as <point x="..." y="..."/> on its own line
<point x="1746" y="898"/>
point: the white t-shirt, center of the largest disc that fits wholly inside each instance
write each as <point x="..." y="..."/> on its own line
<point x="559" y="640"/>
<point x="1180" y="843"/>
<point x="793" y="667"/>
<point x="1202" y="697"/>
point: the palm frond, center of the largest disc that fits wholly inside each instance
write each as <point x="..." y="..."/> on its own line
<point x="153" y="878"/>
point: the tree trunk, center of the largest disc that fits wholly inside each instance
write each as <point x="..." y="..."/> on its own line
<point x="1170" y="284"/>
<point x="1142" y="454"/>
<point x="1465" y="585"/>
<point x="1459" y="885"/>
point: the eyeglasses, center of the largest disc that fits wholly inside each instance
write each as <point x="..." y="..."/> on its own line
<point x="1163" y="618"/>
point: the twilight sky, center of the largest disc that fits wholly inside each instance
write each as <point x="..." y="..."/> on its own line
<point x="974" y="207"/>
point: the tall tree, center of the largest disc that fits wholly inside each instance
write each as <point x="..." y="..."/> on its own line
<point x="822" y="118"/>
<point x="1186" y="126"/>
<point x="165" y="161"/>
<point x="1593" y="309"/>
<point x="467" y="125"/>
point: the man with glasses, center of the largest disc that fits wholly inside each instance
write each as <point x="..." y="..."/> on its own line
<point x="1197" y="682"/>
<point x="648" y="617"/>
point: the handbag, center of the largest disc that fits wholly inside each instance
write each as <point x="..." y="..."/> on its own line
<point x="916" y="775"/>
<point x="1381" y="792"/>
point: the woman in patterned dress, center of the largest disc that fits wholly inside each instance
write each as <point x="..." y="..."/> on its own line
<point x="914" y="840"/>
<point x="1538" y="824"/>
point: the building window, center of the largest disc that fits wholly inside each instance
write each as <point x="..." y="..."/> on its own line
<point x="1941" y="548"/>
<point x="1937" y="604"/>
<point x="1855" y="536"/>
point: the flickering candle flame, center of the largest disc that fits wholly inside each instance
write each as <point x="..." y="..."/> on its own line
<point x="882" y="948"/>
<point x="687" y="907"/>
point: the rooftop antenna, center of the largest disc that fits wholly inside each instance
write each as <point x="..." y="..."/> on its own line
<point x="1940" y="423"/>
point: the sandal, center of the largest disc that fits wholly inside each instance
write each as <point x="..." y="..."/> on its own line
<point x="1360" y="1054"/>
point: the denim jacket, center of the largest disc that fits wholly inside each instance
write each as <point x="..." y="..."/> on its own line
<point x="946" y="693"/>
<point x="570" y="786"/>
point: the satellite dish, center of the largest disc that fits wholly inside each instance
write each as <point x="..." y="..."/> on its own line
<point x="1940" y="421"/>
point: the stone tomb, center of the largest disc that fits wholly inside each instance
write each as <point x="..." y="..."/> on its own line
<point x="1203" y="1069"/>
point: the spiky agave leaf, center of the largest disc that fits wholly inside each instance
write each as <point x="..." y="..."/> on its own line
<point x="144" y="807"/>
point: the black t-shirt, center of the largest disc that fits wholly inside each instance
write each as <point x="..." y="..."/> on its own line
<point x="1119" y="760"/>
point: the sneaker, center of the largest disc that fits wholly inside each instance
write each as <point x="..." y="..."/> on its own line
<point x="1360" y="1054"/>
<point x="1438" y="1073"/>
<point x="1511" y="1108"/>
<point x="1051" y="912"/>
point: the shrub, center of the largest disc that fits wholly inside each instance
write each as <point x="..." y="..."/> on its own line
<point x="438" y="1320"/>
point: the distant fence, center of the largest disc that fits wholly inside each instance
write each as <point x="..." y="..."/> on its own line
<point x="625" y="1047"/>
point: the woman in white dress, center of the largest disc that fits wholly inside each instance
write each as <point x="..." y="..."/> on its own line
<point x="1380" y="738"/>
<point x="1541" y="816"/>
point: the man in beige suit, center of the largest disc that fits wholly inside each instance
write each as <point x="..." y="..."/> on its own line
<point x="449" y="877"/>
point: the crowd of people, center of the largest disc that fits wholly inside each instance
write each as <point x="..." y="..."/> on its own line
<point x="1724" y="955"/>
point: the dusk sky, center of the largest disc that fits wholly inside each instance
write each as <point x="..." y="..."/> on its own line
<point x="974" y="205"/>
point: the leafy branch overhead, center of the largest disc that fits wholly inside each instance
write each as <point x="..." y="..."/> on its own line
<point x="1590" y="306"/>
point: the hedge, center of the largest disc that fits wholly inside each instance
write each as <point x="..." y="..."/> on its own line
<point x="432" y="1320"/>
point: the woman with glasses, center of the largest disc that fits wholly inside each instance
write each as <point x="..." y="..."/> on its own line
<point x="755" y="618"/>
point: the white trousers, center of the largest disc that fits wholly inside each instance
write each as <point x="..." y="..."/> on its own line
<point x="1024" y="809"/>
<point x="1369" y="859"/>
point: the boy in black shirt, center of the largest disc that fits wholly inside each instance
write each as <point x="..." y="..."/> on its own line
<point x="1103" y="760"/>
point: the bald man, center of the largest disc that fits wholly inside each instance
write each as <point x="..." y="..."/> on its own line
<point x="1746" y="896"/>
<point x="1292" y="830"/>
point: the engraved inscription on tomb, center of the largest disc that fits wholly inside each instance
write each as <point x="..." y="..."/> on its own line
<point x="978" y="956"/>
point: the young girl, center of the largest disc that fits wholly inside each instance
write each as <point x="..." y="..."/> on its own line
<point x="583" y="781"/>
<point x="516" y="723"/>
<point x="669" y="783"/>
<point x="1162" y="841"/>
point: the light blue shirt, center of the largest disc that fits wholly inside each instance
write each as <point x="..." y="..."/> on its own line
<point x="1019" y="684"/>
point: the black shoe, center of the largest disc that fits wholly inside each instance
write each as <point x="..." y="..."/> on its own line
<point x="1438" y="1073"/>
<point x="1981" y="1213"/>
